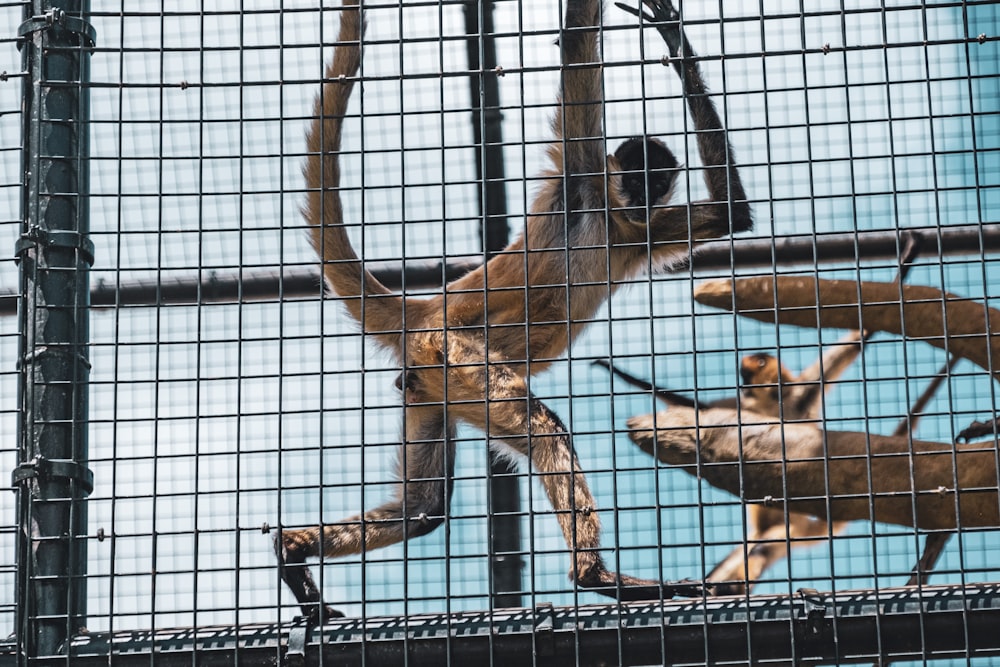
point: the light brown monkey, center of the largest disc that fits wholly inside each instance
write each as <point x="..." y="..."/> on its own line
<point x="466" y="353"/>
<point x="769" y="388"/>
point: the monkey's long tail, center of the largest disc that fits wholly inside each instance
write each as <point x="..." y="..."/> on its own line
<point x="372" y="304"/>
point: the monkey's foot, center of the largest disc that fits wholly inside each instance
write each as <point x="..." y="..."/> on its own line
<point x="728" y="588"/>
<point x="687" y="588"/>
<point x="630" y="589"/>
<point x="318" y="614"/>
<point x="979" y="429"/>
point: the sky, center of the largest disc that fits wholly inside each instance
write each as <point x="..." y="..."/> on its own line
<point x="210" y="421"/>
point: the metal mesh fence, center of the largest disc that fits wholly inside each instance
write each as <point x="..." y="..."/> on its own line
<point x="229" y="397"/>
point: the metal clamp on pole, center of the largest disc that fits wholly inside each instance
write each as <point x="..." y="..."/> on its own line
<point x="37" y="237"/>
<point x="56" y="17"/>
<point x="43" y="468"/>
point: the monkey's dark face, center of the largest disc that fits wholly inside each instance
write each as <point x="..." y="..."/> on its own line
<point x="649" y="170"/>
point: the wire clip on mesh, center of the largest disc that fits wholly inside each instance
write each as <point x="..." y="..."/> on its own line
<point x="58" y="18"/>
<point x="544" y="629"/>
<point x="43" y="468"/>
<point x="37" y="237"/>
<point x="298" y="639"/>
<point x="813" y="610"/>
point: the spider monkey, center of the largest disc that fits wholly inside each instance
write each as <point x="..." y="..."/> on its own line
<point x="769" y="388"/>
<point x="467" y="352"/>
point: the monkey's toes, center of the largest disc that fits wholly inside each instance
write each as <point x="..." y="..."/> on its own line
<point x="625" y="588"/>
<point x="688" y="588"/>
<point x="319" y="614"/>
<point x="726" y="588"/>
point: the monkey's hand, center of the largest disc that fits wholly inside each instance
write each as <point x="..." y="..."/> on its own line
<point x="667" y="21"/>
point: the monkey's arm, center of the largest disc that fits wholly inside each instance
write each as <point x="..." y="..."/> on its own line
<point x="578" y="147"/>
<point x="835" y="475"/>
<point x="726" y="210"/>
<point x="830" y="366"/>
<point x="817" y="379"/>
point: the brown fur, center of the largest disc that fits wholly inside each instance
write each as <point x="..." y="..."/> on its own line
<point x="467" y="353"/>
<point x="834" y="475"/>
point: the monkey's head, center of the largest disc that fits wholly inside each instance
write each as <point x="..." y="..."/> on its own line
<point x="649" y="171"/>
<point x="762" y="373"/>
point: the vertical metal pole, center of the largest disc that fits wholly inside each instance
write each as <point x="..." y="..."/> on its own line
<point x="55" y="254"/>
<point x="505" y="502"/>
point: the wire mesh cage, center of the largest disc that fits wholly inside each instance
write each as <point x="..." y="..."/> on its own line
<point x="800" y="416"/>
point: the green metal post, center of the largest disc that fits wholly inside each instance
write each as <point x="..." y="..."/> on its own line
<point x="55" y="254"/>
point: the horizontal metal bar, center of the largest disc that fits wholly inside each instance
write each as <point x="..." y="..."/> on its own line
<point x="715" y="256"/>
<point x="805" y="628"/>
<point x="846" y="247"/>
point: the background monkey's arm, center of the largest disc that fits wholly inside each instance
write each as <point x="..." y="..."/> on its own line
<point x="835" y="475"/>
<point x="805" y="399"/>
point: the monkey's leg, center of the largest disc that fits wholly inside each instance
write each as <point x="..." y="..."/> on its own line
<point x="772" y="541"/>
<point x="426" y="466"/>
<point x="520" y="421"/>
<point x="933" y="546"/>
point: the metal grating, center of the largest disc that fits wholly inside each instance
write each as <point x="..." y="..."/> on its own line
<point x="230" y="396"/>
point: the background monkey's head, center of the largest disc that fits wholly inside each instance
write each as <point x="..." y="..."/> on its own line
<point x="763" y="375"/>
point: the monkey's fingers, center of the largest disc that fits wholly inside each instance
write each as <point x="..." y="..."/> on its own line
<point x="666" y="20"/>
<point x="663" y="10"/>
<point x="635" y="11"/>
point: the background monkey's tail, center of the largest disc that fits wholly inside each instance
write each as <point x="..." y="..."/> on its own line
<point x="372" y="304"/>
